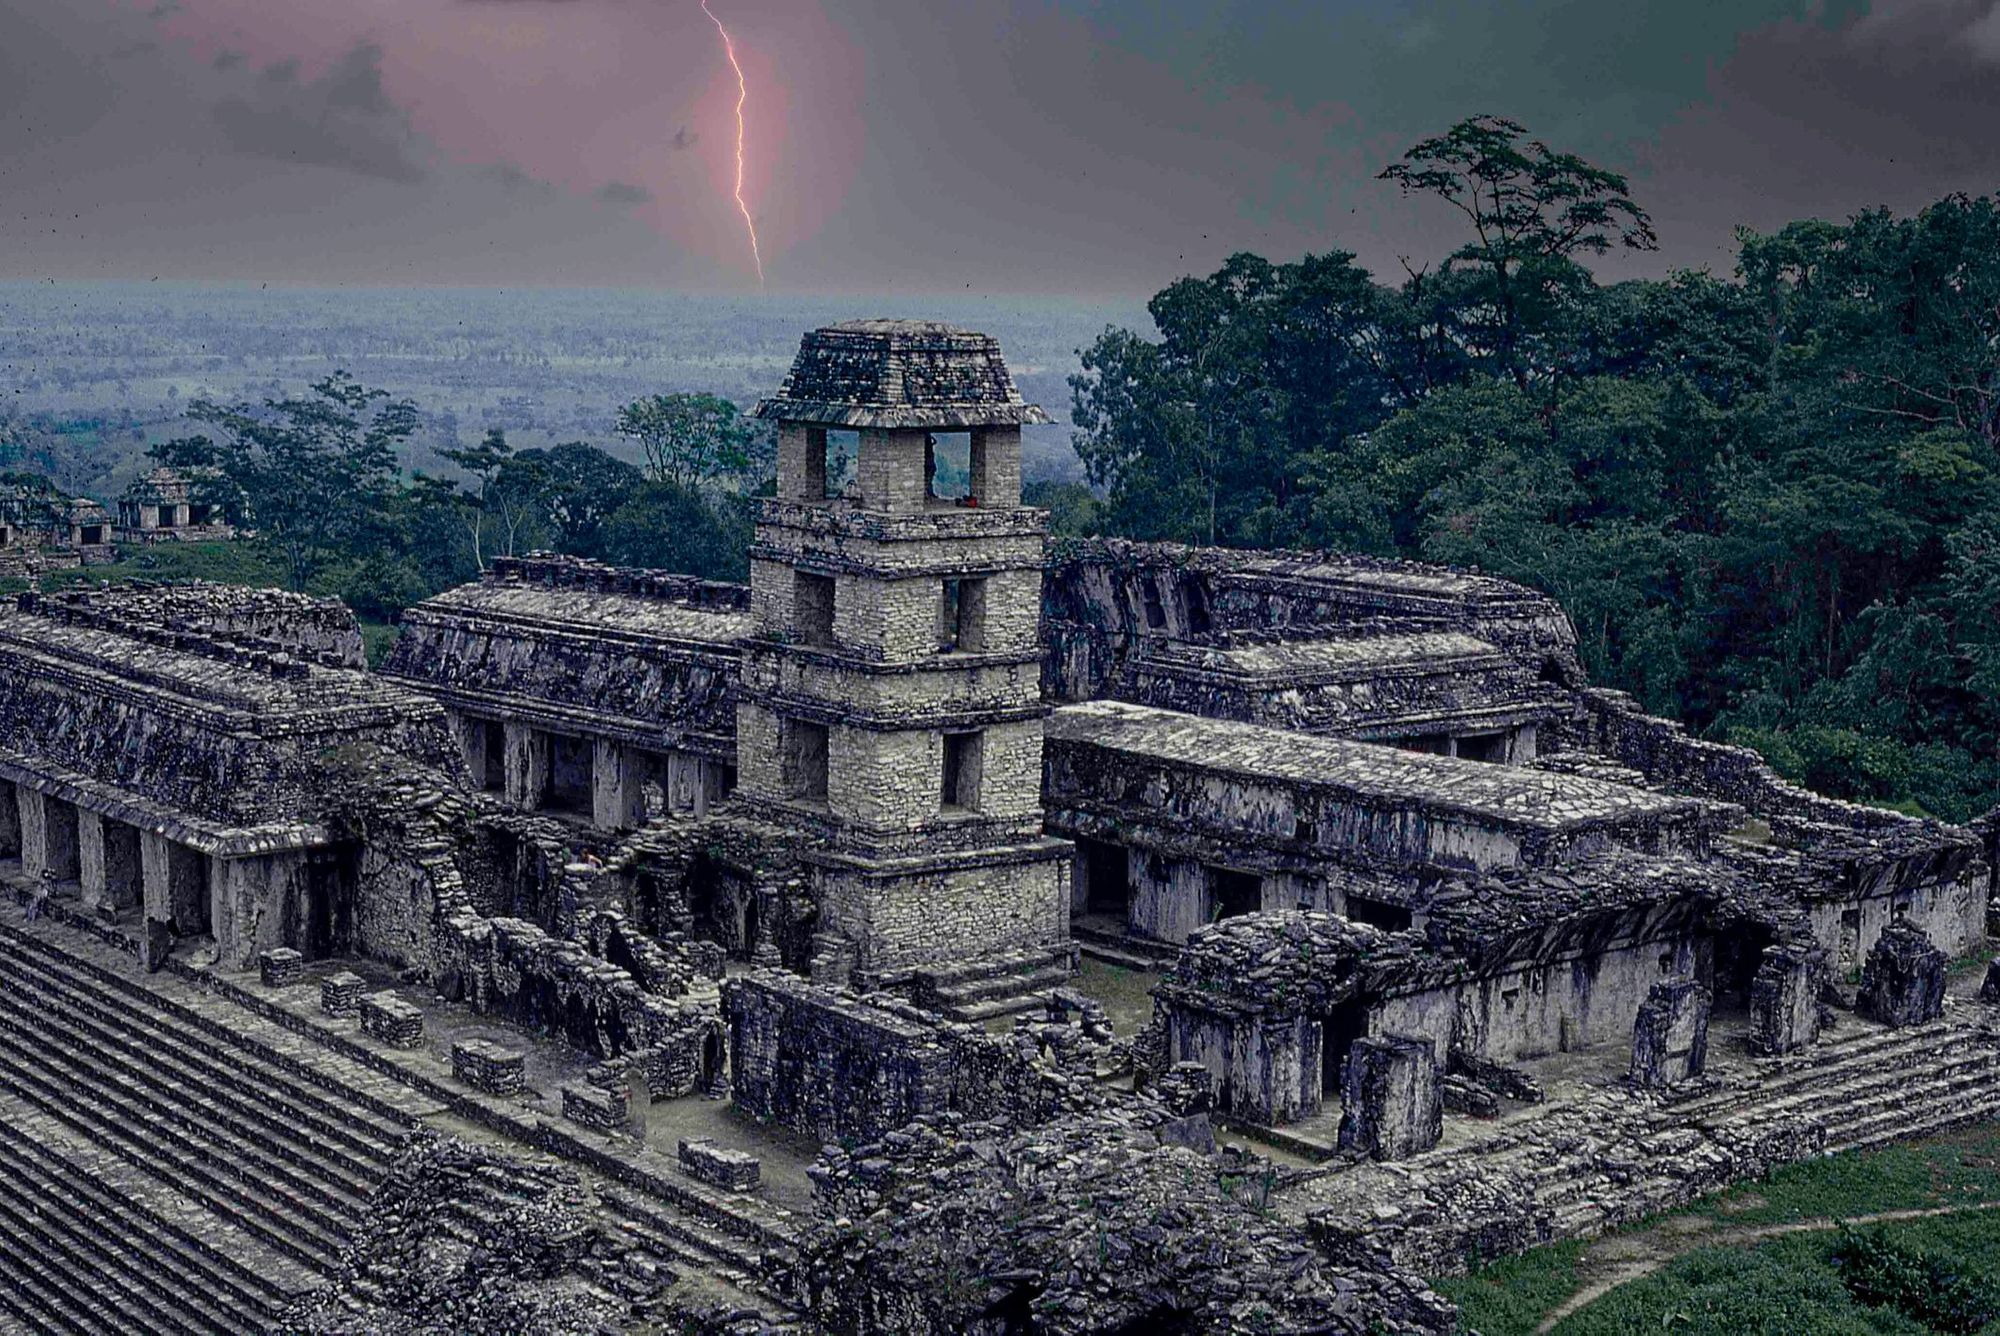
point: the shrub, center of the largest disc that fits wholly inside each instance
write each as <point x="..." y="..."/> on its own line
<point x="1922" y="1286"/>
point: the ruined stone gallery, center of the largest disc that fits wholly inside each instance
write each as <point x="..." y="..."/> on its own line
<point x="634" y="951"/>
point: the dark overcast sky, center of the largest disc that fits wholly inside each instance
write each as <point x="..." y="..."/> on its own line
<point x="1003" y="146"/>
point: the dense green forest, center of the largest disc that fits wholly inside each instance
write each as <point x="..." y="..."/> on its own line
<point x="1770" y="502"/>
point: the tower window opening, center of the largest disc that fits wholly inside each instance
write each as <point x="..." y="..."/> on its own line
<point x="962" y="758"/>
<point x="948" y="465"/>
<point x="962" y="622"/>
<point x="805" y="747"/>
<point x="812" y="608"/>
<point x="838" y="453"/>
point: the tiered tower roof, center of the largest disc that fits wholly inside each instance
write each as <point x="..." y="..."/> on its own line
<point x="900" y="374"/>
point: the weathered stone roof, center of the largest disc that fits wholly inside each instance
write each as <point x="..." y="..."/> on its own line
<point x="323" y="630"/>
<point x="162" y="484"/>
<point x="1361" y="771"/>
<point x="210" y="736"/>
<point x="1360" y="686"/>
<point x="613" y="614"/>
<point x="573" y="646"/>
<point x="1295" y="960"/>
<point x="1358" y="657"/>
<point x="899" y="374"/>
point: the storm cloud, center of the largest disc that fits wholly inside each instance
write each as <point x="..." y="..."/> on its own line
<point x="623" y="192"/>
<point x="342" y="119"/>
<point x="900" y="145"/>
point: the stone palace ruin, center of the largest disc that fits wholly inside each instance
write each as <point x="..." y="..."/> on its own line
<point x="631" y="949"/>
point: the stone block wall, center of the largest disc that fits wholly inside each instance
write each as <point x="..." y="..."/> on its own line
<point x="1390" y="1103"/>
<point x="1670" y="1036"/>
<point x="843" y="1068"/>
<point x="1004" y="901"/>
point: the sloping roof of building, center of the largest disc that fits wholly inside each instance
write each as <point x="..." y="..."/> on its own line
<point x="1362" y="772"/>
<point x="912" y="374"/>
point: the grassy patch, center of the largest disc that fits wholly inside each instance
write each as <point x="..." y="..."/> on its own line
<point x="1125" y="993"/>
<point x="1785" y="1286"/>
<point x="1511" y="1296"/>
<point x="224" y="563"/>
<point x="1953" y="1170"/>
<point x="1788" y="1284"/>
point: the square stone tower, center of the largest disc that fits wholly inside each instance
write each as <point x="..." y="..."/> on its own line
<point x="891" y="691"/>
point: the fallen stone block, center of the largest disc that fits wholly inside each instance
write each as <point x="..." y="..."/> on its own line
<point x="389" y="1018"/>
<point x="702" y="1158"/>
<point x="1902" y="981"/>
<point x="594" y="1106"/>
<point x="340" y="994"/>
<point x="1461" y="1095"/>
<point x="281" y="968"/>
<point x="1390" y="1105"/>
<point x="1784" y="998"/>
<point x="487" y="1066"/>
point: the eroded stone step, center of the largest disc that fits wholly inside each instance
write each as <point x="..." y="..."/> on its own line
<point x="349" y="1123"/>
<point x="236" y="1144"/>
<point x="180" y="1169"/>
<point x="232" y="1108"/>
<point x="213" y="1289"/>
<point x="238" y="1028"/>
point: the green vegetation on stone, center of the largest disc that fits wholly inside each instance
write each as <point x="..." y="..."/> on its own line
<point x="1722" y="1271"/>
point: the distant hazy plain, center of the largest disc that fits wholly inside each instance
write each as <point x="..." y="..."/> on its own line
<point x="91" y="373"/>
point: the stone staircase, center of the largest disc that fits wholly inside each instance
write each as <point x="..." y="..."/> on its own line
<point x="197" y="1110"/>
<point x="82" y="1250"/>
<point x="203" y="1156"/>
<point x="995" y="985"/>
<point x="716" y="1241"/>
<point x="1115" y="946"/>
<point x="1603" y="1160"/>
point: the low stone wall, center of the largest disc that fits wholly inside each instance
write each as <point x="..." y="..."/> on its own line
<point x="839" y="1067"/>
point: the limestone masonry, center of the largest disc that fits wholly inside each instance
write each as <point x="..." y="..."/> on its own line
<point x="635" y="951"/>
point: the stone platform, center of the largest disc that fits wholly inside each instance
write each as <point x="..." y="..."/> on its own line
<point x="317" y="1106"/>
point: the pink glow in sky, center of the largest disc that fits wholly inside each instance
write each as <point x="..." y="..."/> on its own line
<point x="586" y="94"/>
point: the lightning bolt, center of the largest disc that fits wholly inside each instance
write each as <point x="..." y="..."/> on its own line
<point x="742" y="95"/>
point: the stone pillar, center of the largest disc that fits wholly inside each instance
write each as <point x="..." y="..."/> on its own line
<point x="1169" y="896"/>
<point x="1902" y="981"/>
<point x="1784" y="998"/>
<point x="1670" y="1036"/>
<point x="10" y="820"/>
<point x="1391" y="1106"/>
<point x="34" y="832"/>
<point x="155" y="877"/>
<point x="617" y="787"/>
<point x="248" y="902"/>
<point x="692" y="783"/>
<point x="221" y="908"/>
<point x="48" y="837"/>
<point x="90" y="862"/>
<point x="527" y="764"/>
<point x="472" y="745"/>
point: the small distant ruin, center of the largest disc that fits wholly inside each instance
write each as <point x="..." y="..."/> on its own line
<point x="169" y="505"/>
<point x="43" y="529"/>
<point x="1309" y="915"/>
